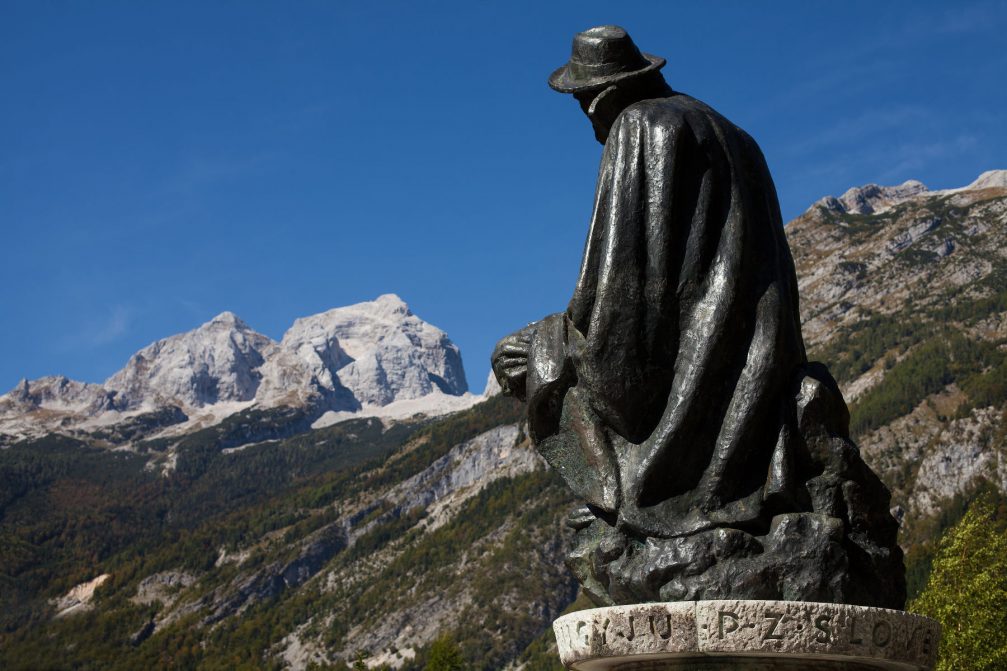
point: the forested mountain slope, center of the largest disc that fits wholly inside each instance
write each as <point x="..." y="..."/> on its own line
<point x="904" y="296"/>
<point x="258" y="542"/>
<point x="361" y="536"/>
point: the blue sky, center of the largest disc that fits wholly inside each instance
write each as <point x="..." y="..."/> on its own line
<point x="161" y="162"/>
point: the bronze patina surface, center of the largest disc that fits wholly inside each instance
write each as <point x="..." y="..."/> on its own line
<point x="674" y="395"/>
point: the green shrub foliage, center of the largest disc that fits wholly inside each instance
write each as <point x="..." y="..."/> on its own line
<point x="444" y="655"/>
<point x="967" y="591"/>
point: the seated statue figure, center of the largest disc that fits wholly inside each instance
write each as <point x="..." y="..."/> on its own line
<point x="674" y="395"/>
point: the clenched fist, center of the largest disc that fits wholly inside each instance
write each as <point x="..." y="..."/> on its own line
<point x="510" y="363"/>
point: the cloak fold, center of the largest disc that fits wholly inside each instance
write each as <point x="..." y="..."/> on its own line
<point x="675" y="398"/>
<point x="683" y="332"/>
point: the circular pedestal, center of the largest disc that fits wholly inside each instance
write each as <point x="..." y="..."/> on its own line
<point x="753" y="635"/>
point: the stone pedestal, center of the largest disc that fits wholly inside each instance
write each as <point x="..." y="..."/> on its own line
<point x="753" y="635"/>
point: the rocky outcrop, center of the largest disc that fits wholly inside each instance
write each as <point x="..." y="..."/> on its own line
<point x="492" y="386"/>
<point x="78" y="599"/>
<point x="380" y="351"/>
<point x="960" y="456"/>
<point x="217" y="362"/>
<point x="448" y="482"/>
<point x="991" y="179"/>
<point x="60" y="394"/>
<point x="873" y="198"/>
<point x="163" y="587"/>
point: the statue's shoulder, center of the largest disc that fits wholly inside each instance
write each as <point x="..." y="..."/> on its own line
<point x="656" y="110"/>
<point x="671" y="111"/>
<point x="680" y="111"/>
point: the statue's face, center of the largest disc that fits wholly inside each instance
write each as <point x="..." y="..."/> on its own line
<point x="596" y="113"/>
<point x="601" y="108"/>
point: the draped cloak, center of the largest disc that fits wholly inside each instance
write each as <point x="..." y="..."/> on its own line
<point x="665" y="394"/>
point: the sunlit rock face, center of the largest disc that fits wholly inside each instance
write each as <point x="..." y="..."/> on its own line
<point x="897" y="283"/>
<point x="369" y="355"/>
<point x="379" y="350"/>
<point x="219" y="361"/>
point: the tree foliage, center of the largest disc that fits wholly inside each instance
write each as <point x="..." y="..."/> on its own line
<point x="967" y="591"/>
<point x="444" y="655"/>
<point x="945" y="358"/>
<point x="69" y="511"/>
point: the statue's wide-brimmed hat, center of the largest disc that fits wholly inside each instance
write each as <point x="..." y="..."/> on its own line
<point x="602" y="56"/>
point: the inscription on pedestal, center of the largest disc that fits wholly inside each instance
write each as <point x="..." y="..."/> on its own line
<point x="647" y="628"/>
<point x="823" y="628"/>
<point x="892" y="639"/>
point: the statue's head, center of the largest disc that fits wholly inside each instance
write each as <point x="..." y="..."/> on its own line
<point x="606" y="73"/>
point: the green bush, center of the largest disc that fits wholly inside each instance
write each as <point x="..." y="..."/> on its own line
<point x="967" y="592"/>
<point x="444" y="655"/>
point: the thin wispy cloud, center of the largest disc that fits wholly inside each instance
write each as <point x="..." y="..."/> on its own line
<point x="203" y="171"/>
<point x="100" y="331"/>
<point x="856" y="129"/>
<point x="917" y="156"/>
<point x="879" y="53"/>
<point x="192" y="307"/>
<point x="886" y="163"/>
<point x="177" y="197"/>
<point x="113" y="328"/>
<point x="956" y="20"/>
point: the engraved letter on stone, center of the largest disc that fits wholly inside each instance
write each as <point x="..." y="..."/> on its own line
<point x="723" y="615"/>
<point x="667" y="622"/>
<point x="854" y="639"/>
<point x="771" y="635"/>
<point x="882" y="633"/>
<point x="822" y="625"/>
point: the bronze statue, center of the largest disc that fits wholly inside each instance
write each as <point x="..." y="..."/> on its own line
<point x="674" y="395"/>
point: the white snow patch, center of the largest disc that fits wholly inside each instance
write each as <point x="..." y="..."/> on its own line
<point x="431" y="405"/>
<point x="240" y="448"/>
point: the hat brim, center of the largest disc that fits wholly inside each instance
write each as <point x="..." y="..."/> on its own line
<point x="561" y="81"/>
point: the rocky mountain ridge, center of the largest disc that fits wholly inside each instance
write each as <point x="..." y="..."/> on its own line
<point x="305" y="546"/>
<point x="904" y="296"/>
<point x="356" y="359"/>
<point x="875" y="199"/>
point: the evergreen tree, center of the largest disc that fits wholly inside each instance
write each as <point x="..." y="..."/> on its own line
<point x="967" y="592"/>
<point x="444" y="655"/>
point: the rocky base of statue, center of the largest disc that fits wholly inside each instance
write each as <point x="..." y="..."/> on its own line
<point x="818" y="529"/>
<point x="753" y="635"/>
<point x="803" y="557"/>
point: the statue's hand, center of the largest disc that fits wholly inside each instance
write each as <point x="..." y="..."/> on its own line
<point x="580" y="518"/>
<point x="510" y="362"/>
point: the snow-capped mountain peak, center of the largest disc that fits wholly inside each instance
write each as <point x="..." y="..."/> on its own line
<point x="229" y="319"/>
<point x="379" y="350"/>
<point x="363" y="356"/>
<point x="216" y="362"/>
